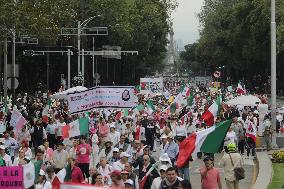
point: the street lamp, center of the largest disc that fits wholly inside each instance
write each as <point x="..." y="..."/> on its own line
<point x="80" y="27"/>
<point x="273" y="70"/>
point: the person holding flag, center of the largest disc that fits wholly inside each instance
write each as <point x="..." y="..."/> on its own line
<point x="148" y="173"/>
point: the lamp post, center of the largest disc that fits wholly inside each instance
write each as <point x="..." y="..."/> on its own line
<point x="273" y="70"/>
<point x="79" y="31"/>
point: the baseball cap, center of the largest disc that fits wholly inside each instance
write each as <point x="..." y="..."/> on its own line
<point x="124" y="154"/>
<point x="115" y="150"/>
<point x="129" y="181"/>
<point x="164" y="167"/>
<point x="2" y="147"/>
<point x="164" y="136"/>
<point x="116" y="173"/>
<point x="41" y="173"/>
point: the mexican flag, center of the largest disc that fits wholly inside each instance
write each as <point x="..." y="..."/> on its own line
<point x="184" y="93"/>
<point x="240" y="89"/>
<point x="144" y="179"/>
<point x="209" y="115"/>
<point x="208" y="140"/>
<point x="150" y="107"/>
<point x="184" y="117"/>
<point x="76" y="128"/>
<point x="251" y="131"/>
<point x="190" y="99"/>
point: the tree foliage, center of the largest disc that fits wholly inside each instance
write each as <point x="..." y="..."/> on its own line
<point x="140" y="25"/>
<point x="236" y="34"/>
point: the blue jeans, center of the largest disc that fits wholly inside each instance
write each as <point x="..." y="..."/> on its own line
<point x="184" y="173"/>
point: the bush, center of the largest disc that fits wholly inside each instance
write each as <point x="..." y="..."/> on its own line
<point x="278" y="156"/>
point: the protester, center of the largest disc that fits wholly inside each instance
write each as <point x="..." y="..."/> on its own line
<point x="76" y="173"/>
<point x="145" y="168"/>
<point x="59" y="157"/>
<point x="229" y="161"/>
<point x="210" y="176"/>
<point x="83" y="155"/>
<point x="116" y="179"/>
<point x="157" y="181"/>
<point x="42" y="181"/>
<point x="119" y="146"/>
<point x="171" y="180"/>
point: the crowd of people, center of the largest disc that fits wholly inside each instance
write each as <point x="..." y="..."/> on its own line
<point x="135" y="150"/>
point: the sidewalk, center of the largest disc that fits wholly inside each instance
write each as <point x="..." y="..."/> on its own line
<point x="265" y="171"/>
<point x="250" y="171"/>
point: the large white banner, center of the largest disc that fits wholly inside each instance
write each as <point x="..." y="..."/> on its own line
<point x="101" y="97"/>
<point x="151" y="85"/>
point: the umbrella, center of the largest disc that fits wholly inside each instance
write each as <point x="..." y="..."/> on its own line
<point x="245" y="100"/>
<point x="63" y="94"/>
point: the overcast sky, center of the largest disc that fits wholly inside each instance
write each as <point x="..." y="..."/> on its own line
<point x="185" y="21"/>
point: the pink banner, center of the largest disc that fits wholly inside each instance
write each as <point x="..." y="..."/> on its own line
<point x="11" y="177"/>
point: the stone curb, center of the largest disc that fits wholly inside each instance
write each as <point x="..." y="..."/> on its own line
<point x="265" y="171"/>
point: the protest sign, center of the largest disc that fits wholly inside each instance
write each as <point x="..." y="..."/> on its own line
<point x="101" y="97"/>
<point x="29" y="174"/>
<point x="17" y="120"/>
<point x="11" y="177"/>
<point x="151" y="85"/>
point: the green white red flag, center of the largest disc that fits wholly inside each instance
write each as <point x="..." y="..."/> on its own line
<point x="208" y="141"/>
<point x="211" y="113"/>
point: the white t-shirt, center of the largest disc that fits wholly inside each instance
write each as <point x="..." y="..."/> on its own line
<point x="230" y="138"/>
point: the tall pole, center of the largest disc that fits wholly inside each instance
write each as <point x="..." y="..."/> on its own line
<point x="13" y="67"/>
<point x="83" y="67"/>
<point x="273" y="69"/>
<point x="69" y="73"/>
<point x="93" y="61"/>
<point x="107" y="69"/>
<point x="47" y="70"/>
<point x="79" y="46"/>
<point x="97" y="70"/>
<point x="5" y="71"/>
<point x="1" y="75"/>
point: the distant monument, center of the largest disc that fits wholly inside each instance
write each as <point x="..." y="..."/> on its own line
<point x="171" y="50"/>
<point x="171" y="58"/>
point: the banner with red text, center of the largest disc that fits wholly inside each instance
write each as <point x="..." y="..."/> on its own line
<point x="101" y="97"/>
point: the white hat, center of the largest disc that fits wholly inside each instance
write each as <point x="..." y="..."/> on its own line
<point x="129" y="181"/>
<point x="115" y="150"/>
<point x="2" y="140"/>
<point x="165" y="157"/>
<point x="163" y="167"/>
<point x="124" y="154"/>
<point x="2" y="147"/>
<point x="112" y="126"/>
<point x="164" y="136"/>
<point x="41" y="173"/>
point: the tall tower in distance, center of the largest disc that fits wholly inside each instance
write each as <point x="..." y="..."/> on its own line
<point x="171" y="50"/>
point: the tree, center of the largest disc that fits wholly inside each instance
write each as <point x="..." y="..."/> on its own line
<point x="41" y="18"/>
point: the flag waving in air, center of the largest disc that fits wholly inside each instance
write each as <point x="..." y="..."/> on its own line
<point x="209" y="115"/>
<point x="208" y="140"/>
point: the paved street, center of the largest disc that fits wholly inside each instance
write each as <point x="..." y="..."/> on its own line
<point x="244" y="184"/>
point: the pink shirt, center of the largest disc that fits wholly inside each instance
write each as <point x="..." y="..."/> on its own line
<point x="83" y="153"/>
<point x="211" y="180"/>
<point x="77" y="175"/>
